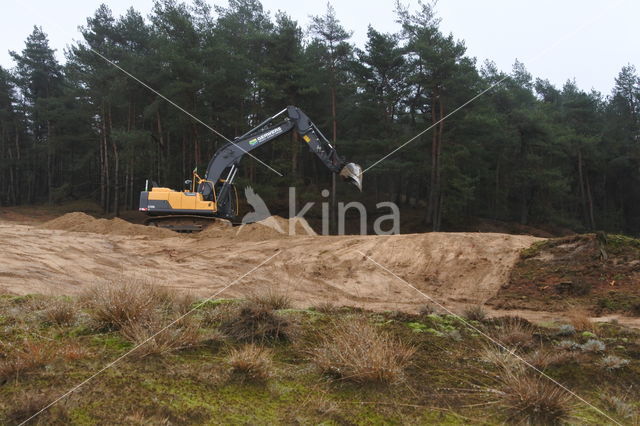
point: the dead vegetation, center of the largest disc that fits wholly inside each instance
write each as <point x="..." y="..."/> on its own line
<point x="215" y="355"/>
<point x="271" y="298"/>
<point x="622" y="406"/>
<point x="533" y="399"/>
<point x="157" y="337"/>
<point x="581" y="321"/>
<point x="115" y="303"/>
<point x="525" y="396"/>
<point x="27" y="357"/>
<point x="357" y="351"/>
<point x="544" y="357"/>
<point x="514" y="333"/>
<point x="475" y="313"/>
<point x="251" y="363"/>
<point x="61" y="312"/>
<point x="28" y="404"/>
<point x="593" y="273"/>
<point x="251" y="323"/>
<point x="325" y="307"/>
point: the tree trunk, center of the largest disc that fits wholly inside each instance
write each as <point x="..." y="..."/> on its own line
<point x="49" y="164"/>
<point x="104" y="164"/>
<point x="160" y="145"/>
<point x="294" y="154"/>
<point x="435" y="173"/>
<point x="116" y="164"/>
<point x="333" y="222"/>
<point x="497" y="189"/>
<point x="439" y="198"/>
<point x="592" y="221"/>
<point x="583" y="197"/>
<point x="18" y="198"/>
<point x="184" y="155"/>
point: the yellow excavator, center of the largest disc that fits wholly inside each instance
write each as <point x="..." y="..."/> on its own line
<point x="214" y="197"/>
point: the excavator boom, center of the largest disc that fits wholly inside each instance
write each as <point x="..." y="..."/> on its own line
<point x="215" y="195"/>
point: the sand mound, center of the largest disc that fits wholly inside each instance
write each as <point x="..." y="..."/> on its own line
<point x="81" y="222"/>
<point x="453" y="268"/>
<point x="216" y="230"/>
<point x="274" y="227"/>
<point x="68" y="221"/>
<point x="269" y="228"/>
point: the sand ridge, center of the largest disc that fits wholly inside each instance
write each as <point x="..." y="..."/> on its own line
<point x="66" y="254"/>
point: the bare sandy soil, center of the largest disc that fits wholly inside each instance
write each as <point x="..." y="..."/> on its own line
<point x="65" y="255"/>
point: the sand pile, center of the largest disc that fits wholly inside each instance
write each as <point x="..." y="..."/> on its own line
<point x="68" y="221"/>
<point x="274" y="227"/>
<point x="81" y="222"/>
<point x="217" y="230"/>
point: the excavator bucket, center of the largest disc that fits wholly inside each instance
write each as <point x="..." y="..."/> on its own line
<point x="352" y="173"/>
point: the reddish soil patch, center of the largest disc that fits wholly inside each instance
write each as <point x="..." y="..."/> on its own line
<point x="600" y="273"/>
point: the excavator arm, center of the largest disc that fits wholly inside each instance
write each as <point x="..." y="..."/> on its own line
<point x="224" y="163"/>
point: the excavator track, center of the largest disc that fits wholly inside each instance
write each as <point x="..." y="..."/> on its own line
<point x="186" y="223"/>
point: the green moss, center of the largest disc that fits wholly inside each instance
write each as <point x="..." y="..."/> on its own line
<point x="193" y="387"/>
<point x="619" y="302"/>
<point x="80" y="416"/>
<point x="534" y="249"/>
<point x="434" y="332"/>
<point x="417" y="327"/>
<point x="111" y="341"/>
<point x="18" y="300"/>
<point x="212" y="303"/>
<point x="619" y="244"/>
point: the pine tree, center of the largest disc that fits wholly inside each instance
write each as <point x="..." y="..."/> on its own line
<point x="39" y="79"/>
<point x="336" y="53"/>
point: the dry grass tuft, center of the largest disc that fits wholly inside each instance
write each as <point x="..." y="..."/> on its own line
<point x="580" y="320"/>
<point x="613" y="362"/>
<point x="271" y="298"/>
<point x="593" y="346"/>
<point x="60" y="312"/>
<point x="140" y="418"/>
<point x="74" y="351"/>
<point x="499" y="357"/>
<point x="182" y="335"/>
<point x="116" y="303"/>
<point x="622" y="406"/>
<point x="217" y="314"/>
<point x="252" y="323"/>
<point x="251" y="362"/>
<point x="543" y="358"/>
<point x="475" y="313"/>
<point x="515" y="333"/>
<point x="28" y="404"/>
<point x="359" y="352"/>
<point x="30" y="356"/>
<point x="325" y="307"/>
<point x="533" y="400"/>
<point x="183" y="303"/>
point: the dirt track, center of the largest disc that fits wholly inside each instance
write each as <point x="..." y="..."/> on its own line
<point x="456" y="267"/>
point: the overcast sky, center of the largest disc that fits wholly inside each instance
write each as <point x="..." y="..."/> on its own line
<point x="556" y="39"/>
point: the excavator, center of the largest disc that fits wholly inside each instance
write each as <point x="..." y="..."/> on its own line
<point x="214" y="198"/>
